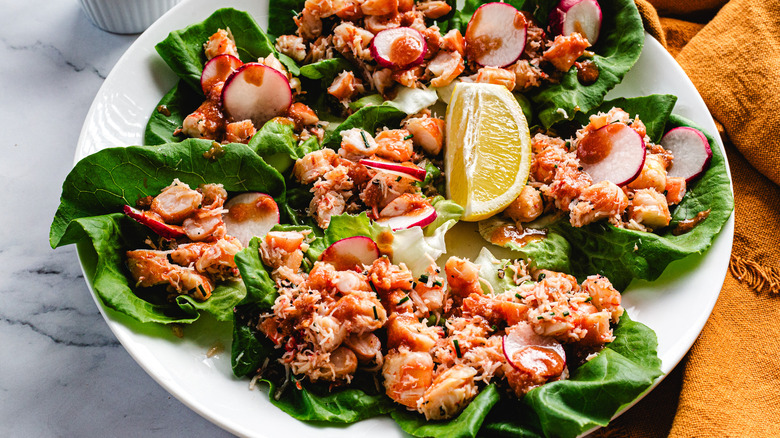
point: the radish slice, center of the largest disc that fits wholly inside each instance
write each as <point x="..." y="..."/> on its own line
<point x="351" y="253"/>
<point x="250" y="214"/>
<point x="154" y="222"/>
<point x="218" y="69"/>
<point x="405" y="170"/>
<point x="496" y="35"/>
<point x="581" y="16"/>
<point x="256" y="92"/>
<point x="530" y="353"/>
<point x="691" y="150"/>
<point x="614" y="153"/>
<point x="419" y="217"/>
<point x="398" y="48"/>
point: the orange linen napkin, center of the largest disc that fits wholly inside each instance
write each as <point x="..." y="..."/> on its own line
<point x="729" y="383"/>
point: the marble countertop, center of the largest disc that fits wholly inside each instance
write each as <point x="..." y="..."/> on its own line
<point x="62" y="371"/>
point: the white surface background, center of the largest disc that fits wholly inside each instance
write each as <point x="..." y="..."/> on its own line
<point x="62" y="371"/>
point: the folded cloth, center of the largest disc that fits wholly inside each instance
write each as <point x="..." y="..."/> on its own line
<point x="729" y="383"/>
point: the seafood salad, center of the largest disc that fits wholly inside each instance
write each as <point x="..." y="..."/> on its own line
<point x="301" y="185"/>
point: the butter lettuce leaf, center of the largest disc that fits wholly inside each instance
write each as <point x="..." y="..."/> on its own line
<point x="170" y="113"/>
<point x="369" y="118"/>
<point x="101" y="184"/>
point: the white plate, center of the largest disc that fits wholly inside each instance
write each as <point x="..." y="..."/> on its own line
<point x="676" y="306"/>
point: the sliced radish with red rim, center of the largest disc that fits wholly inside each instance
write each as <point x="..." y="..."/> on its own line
<point x="407" y="171"/>
<point x="691" y="150"/>
<point x="614" y="153"/>
<point x="581" y="16"/>
<point x="496" y="35"/>
<point x="249" y="215"/>
<point x="351" y="253"/>
<point x="256" y="92"/>
<point x="217" y="70"/>
<point x="154" y="222"/>
<point x="399" y="48"/>
<point x="419" y="217"/>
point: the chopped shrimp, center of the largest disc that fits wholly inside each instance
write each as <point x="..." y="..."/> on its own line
<point x="220" y="43"/>
<point x="348" y="9"/>
<point x="615" y="115"/>
<point x="203" y="225"/>
<point x="395" y="145"/>
<point x="414" y="19"/>
<point x="314" y="165"/>
<point x="601" y="200"/>
<point x="565" y="50"/>
<point x="282" y="248"/>
<point x="462" y="277"/>
<point x="675" y="190"/>
<point x="214" y="258"/>
<point x="527" y="75"/>
<point x="605" y="296"/>
<point x="407" y="374"/>
<point x="214" y="196"/>
<point x="527" y="207"/>
<point x="378" y="23"/>
<point x="445" y="67"/>
<point x="205" y="122"/>
<point x="346" y="86"/>
<point x="325" y="205"/>
<point x="340" y="365"/>
<point x="535" y="38"/>
<point x="352" y="41"/>
<point x="176" y="202"/>
<point x="495" y="75"/>
<point x="309" y="24"/>
<point x="494" y="309"/>
<point x="404" y="204"/>
<point x="433" y="9"/>
<point x="383" y="189"/>
<point x="652" y="176"/>
<point x="319" y="49"/>
<point x="357" y="143"/>
<point x="638" y="126"/>
<point x="320" y="8"/>
<point x="453" y="41"/>
<point x="274" y="63"/>
<point x="387" y="278"/>
<point x="382" y="80"/>
<point x="650" y="208"/>
<point x="405" y="5"/>
<point x="360" y="312"/>
<point x="367" y="347"/>
<point x="292" y="46"/>
<point x="433" y="41"/>
<point x="549" y="152"/>
<point x="302" y="115"/>
<point x="427" y="133"/>
<point x="568" y="183"/>
<point x="431" y="296"/>
<point x="408" y="77"/>
<point x="239" y="132"/>
<point x="449" y="393"/>
<point x="403" y="329"/>
<point x="379" y="7"/>
<point x="150" y="268"/>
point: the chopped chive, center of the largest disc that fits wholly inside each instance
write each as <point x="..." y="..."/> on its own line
<point x="552" y="313"/>
<point x="589" y="299"/>
<point x="542" y="276"/>
<point x="519" y="297"/>
<point x="202" y="289"/>
<point x="437" y="283"/>
<point x="408" y="136"/>
<point x="457" y="348"/>
<point x="365" y="140"/>
<point x="494" y="327"/>
<point x="424" y="278"/>
<point x="566" y="313"/>
<point x="540" y="317"/>
<point x="398" y="179"/>
<point x="375" y="315"/>
<point x="403" y="300"/>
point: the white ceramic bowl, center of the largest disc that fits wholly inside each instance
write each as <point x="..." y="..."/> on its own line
<point x="125" y="16"/>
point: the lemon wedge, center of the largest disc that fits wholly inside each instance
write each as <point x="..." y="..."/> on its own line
<point x="488" y="154"/>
